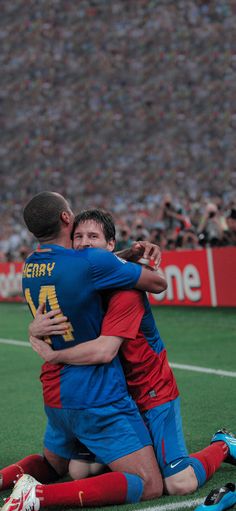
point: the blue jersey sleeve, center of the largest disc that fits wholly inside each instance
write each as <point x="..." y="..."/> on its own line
<point x="109" y="271"/>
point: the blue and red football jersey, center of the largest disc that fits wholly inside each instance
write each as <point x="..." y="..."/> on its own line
<point x="148" y="374"/>
<point x="71" y="280"/>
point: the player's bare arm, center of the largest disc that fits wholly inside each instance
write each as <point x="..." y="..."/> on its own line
<point x="151" y="281"/>
<point x="98" y="351"/>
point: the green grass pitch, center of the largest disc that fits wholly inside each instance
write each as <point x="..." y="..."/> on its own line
<point x="193" y="336"/>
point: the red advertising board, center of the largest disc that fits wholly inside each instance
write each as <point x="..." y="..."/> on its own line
<point x="199" y="278"/>
<point x="187" y="278"/>
<point x="225" y="275"/>
<point x="194" y="277"/>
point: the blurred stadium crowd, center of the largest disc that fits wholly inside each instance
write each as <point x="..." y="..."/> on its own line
<point x="129" y="105"/>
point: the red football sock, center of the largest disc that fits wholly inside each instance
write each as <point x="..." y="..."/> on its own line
<point x="35" y="465"/>
<point x="211" y="457"/>
<point x="106" y="489"/>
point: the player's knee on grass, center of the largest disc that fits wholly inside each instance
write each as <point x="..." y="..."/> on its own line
<point x="152" y="478"/>
<point x="153" y="488"/>
<point x="182" y="483"/>
<point x="142" y="463"/>
<point x="80" y="469"/>
<point x="59" y="464"/>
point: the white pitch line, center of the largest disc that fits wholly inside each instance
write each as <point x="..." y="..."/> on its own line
<point x="185" y="504"/>
<point x="199" y="369"/>
<point x="185" y="367"/>
<point x="15" y="342"/>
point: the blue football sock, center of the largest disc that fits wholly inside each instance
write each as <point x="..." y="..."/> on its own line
<point x="199" y="470"/>
<point x="134" y="487"/>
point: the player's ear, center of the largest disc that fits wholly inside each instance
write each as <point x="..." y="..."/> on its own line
<point x="111" y="245"/>
<point x="66" y="217"/>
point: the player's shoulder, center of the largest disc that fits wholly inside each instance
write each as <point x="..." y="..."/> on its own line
<point x="51" y="249"/>
<point x="73" y="253"/>
<point x="101" y="255"/>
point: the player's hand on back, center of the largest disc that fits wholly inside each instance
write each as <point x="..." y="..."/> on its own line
<point x="146" y="250"/>
<point x="50" y="323"/>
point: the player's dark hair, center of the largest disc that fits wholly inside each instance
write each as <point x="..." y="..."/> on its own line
<point x="42" y="215"/>
<point x="101" y="217"/>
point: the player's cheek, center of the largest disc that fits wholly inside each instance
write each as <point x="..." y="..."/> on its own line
<point x="76" y="244"/>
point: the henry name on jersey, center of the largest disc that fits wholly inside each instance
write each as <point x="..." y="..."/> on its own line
<point x="38" y="270"/>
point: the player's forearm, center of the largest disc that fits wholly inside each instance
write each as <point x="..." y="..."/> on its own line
<point x="127" y="254"/>
<point x="153" y="282"/>
<point x="78" y="355"/>
<point x="99" y="351"/>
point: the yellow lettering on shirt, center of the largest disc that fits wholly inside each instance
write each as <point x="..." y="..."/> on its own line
<point x="32" y="270"/>
<point x="29" y="300"/>
<point x="35" y="270"/>
<point x="50" y="267"/>
<point x="49" y="293"/>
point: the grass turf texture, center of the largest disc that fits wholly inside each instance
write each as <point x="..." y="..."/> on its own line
<point x="194" y="336"/>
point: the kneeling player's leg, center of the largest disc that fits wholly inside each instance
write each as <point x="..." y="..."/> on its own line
<point x="211" y="458"/>
<point x="165" y="425"/>
<point x="80" y="469"/>
<point x="113" y="432"/>
<point x="120" y="439"/>
<point x="84" y="464"/>
<point x="182" y="473"/>
<point x="36" y="465"/>
<point x="201" y="466"/>
<point x="144" y="464"/>
<point x="58" y="463"/>
<point x="105" y="489"/>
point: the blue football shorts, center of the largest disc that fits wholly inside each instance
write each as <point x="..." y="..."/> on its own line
<point x="109" y="432"/>
<point x="165" y="426"/>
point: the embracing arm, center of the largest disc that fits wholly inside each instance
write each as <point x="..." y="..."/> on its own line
<point x="98" y="351"/>
<point x="151" y="281"/>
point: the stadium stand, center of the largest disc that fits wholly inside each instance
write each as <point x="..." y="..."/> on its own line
<point x="116" y="104"/>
